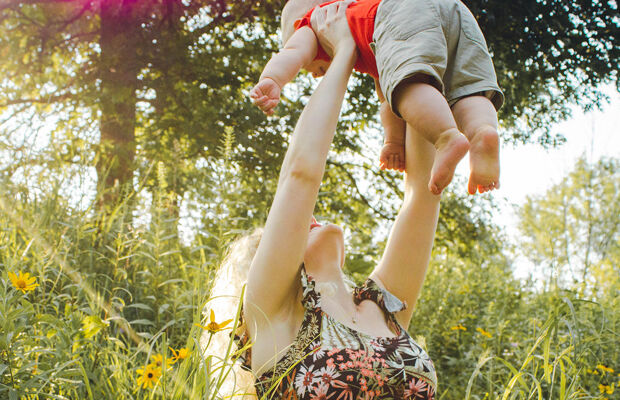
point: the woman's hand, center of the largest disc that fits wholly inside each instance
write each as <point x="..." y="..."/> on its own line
<point x="331" y="27"/>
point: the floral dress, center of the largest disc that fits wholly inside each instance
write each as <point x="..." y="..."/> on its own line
<point x="329" y="360"/>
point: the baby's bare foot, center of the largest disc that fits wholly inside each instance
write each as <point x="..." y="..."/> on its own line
<point x="451" y="147"/>
<point x="393" y="156"/>
<point x="484" y="160"/>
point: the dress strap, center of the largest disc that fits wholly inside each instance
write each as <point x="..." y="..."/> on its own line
<point x="389" y="303"/>
<point x="311" y="299"/>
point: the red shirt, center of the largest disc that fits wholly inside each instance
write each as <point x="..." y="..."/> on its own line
<point x="361" y="18"/>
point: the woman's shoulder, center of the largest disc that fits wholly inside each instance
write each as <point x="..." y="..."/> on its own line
<point x="374" y="289"/>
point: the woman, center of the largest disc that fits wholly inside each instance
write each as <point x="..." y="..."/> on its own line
<point x="313" y="337"/>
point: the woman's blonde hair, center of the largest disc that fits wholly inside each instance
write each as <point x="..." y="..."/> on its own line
<point x="225" y="298"/>
<point x="230" y="278"/>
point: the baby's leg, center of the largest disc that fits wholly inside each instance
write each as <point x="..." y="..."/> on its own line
<point x="477" y="119"/>
<point x="426" y="110"/>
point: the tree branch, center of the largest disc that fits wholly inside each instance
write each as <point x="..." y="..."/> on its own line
<point x="363" y="198"/>
<point x="48" y="100"/>
<point x="78" y="15"/>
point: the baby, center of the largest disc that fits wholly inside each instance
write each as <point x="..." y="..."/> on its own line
<point x="432" y="70"/>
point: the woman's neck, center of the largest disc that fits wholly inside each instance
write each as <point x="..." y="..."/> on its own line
<point x="325" y="270"/>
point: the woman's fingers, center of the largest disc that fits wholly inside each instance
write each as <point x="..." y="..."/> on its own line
<point x="330" y="12"/>
<point x="331" y="26"/>
<point x="318" y="16"/>
<point x="342" y="9"/>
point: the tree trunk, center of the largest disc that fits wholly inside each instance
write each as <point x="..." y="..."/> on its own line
<point x="118" y="71"/>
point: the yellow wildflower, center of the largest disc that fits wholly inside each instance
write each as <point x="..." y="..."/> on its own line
<point x="213" y="326"/>
<point x="148" y="375"/>
<point x="157" y="360"/>
<point x="23" y="282"/>
<point x="458" y="327"/>
<point x="484" y="333"/>
<point x="606" y="388"/>
<point x="605" y="369"/>
<point x="180" y="354"/>
<point x="610" y="389"/>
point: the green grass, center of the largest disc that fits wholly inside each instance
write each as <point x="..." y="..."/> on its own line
<point x="112" y="295"/>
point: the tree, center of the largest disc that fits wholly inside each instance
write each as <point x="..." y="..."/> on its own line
<point x="131" y="68"/>
<point x="137" y="75"/>
<point x="575" y="225"/>
<point x="549" y="54"/>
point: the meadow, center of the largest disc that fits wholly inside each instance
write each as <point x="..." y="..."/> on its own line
<point x="131" y="157"/>
<point x="98" y="307"/>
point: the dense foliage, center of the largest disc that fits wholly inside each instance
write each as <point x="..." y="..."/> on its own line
<point x="126" y="83"/>
<point x="114" y="302"/>
<point x="130" y="157"/>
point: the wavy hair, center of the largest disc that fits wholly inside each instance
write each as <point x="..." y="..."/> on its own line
<point x="235" y="382"/>
<point x="225" y="299"/>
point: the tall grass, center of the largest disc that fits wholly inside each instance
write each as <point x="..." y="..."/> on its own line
<point x="113" y="295"/>
<point x="110" y="296"/>
<point x="559" y="363"/>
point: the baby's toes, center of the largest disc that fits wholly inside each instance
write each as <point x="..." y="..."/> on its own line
<point x="486" y="188"/>
<point x="383" y="162"/>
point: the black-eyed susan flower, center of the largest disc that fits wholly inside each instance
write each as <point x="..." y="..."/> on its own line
<point x="608" y="389"/>
<point x="213" y="326"/>
<point x="23" y="282"/>
<point x="484" y="333"/>
<point x="605" y="369"/>
<point x="458" y="327"/>
<point x="148" y="375"/>
<point x="180" y="354"/>
<point x="157" y="360"/>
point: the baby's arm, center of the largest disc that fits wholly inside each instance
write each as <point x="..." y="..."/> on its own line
<point x="393" y="151"/>
<point x="298" y="51"/>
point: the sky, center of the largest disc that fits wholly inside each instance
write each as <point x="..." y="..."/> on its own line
<point x="531" y="170"/>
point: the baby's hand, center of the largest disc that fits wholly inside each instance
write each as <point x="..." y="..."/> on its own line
<point x="266" y="95"/>
<point x="392" y="157"/>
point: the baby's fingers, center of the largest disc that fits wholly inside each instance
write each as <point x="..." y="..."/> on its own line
<point x="265" y="104"/>
<point x="255" y="93"/>
<point x="269" y="107"/>
<point x="260" y="101"/>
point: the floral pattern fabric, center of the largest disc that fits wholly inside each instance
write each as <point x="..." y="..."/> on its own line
<point x="329" y="360"/>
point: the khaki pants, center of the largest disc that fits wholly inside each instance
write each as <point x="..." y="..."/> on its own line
<point x="437" y="38"/>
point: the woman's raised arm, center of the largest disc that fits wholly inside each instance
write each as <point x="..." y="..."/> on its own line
<point x="273" y="279"/>
<point x="403" y="266"/>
